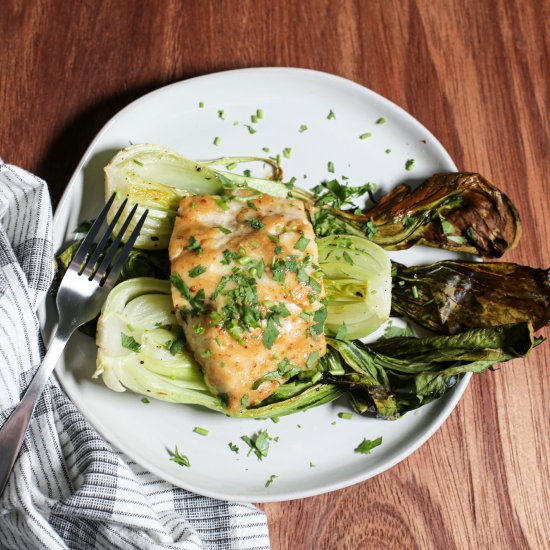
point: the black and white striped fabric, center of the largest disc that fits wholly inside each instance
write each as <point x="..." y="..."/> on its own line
<point x="69" y="488"/>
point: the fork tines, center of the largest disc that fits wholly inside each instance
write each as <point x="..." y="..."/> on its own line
<point x="104" y="275"/>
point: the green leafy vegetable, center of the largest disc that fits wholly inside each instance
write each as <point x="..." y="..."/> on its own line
<point x="453" y="296"/>
<point x="258" y="443"/>
<point x="392" y="376"/>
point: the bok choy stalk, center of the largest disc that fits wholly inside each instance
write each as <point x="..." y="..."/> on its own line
<point x="357" y="279"/>
<point x="156" y="178"/>
<point x="452" y="296"/>
<point x="395" y="375"/>
<point x="141" y="348"/>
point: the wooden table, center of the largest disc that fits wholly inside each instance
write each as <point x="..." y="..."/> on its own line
<point x="476" y="73"/>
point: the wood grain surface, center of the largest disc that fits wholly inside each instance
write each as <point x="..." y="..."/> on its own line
<point x="475" y="72"/>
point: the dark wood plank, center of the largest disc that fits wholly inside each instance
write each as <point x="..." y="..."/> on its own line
<point x="475" y="73"/>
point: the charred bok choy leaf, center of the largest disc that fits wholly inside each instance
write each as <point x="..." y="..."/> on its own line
<point x="452" y="296"/>
<point x="456" y="211"/>
<point x="395" y="375"/>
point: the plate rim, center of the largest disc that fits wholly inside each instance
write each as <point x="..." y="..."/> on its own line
<point x="448" y="407"/>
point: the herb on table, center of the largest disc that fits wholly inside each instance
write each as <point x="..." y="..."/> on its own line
<point x="366" y="135"/>
<point x="251" y="129"/>
<point x="331" y="115"/>
<point x="345" y="415"/>
<point x="330" y="166"/>
<point x="178" y="458"/>
<point x="302" y="128"/>
<point x="128" y="342"/>
<point x="217" y="141"/>
<point x="145" y="400"/>
<point x="367" y="445"/>
<point x="200" y="431"/>
<point x="410" y="164"/>
<point x="221" y="114"/>
<point x="381" y="120"/>
<point x="234" y="448"/>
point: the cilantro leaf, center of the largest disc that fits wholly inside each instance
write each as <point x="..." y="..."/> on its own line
<point x="366" y="446"/>
<point x="178" y="458"/>
<point x="128" y="342"/>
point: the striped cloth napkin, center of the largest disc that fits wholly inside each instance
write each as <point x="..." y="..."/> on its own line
<point x="69" y="488"/>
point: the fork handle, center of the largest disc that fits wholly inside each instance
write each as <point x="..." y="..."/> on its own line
<point x="12" y="433"/>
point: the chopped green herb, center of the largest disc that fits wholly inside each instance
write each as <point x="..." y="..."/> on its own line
<point x="302" y="128"/>
<point x="138" y="162"/>
<point x="224" y="230"/>
<point x="258" y="443"/>
<point x="286" y="152"/>
<point x="178" y="458"/>
<point x="259" y="113"/>
<point x="145" y="400"/>
<point x="265" y="149"/>
<point x="177" y="346"/>
<point x="253" y="118"/>
<point x="201" y="105"/>
<point x="256" y="224"/>
<point x="330" y="167"/>
<point x="341" y="334"/>
<point x="194" y="246"/>
<point x="301" y="244"/>
<point x="271" y="479"/>
<point x="200" y="431"/>
<point x="311" y="465"/>
<point x="347" y="258"/>
<point x="365" y="135"/>
<point x="367" y="445"/>
<point x="221" y="114"/>
<point x="217" y="141"/>
<point x="251" y="129"/>
<point x="234" y="447"/>
<point x="244" y="401"/>
<point x="278" y="249"/>
<point x="128" y="342"/>
<point x="247" y="173"/>
<point x="414" y="291"/>
<point x="275" y="419"/>
<point x="381" y="120"/>
<point x="345" y="415"/>
<point x="232" y="166"/>
<point x="206" y="353"/>
<point x="409" y="165"/>
<point x="270" y="334"/>
<point x="388" y="151"/>
<point x="331" y="115"/>
<point x="312" y="359"/>
<point x="196" y="271"/>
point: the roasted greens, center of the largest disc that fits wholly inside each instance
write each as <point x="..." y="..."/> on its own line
<point x="452" y="296"/>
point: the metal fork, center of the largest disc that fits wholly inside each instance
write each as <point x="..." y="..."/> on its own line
<point x="79" y="299"/>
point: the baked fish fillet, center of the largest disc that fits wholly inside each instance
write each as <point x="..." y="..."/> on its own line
<point x="247" y="291"/>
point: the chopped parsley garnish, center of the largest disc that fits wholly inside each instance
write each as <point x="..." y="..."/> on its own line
<point x="301" y="244"/>
<point x="224" y="230"/>
<point x="370" y="228"/>
<point x="388" y="151"/>
<point x="256" y="224"/>
<point x="217" y="141"/>
<point x="286" y="152"/>
<point x="259" y="113"/>
<point x="196" y="271"/>
<point x="347" y="258"/>
<point x="128" y="342"/>
<point x="331" y="115"/>
<point x="234" y="447"/>
<point x="319" y="317"/>
<point x="338" y="195"/>
<point x="381" y="120"/>
<point x="271" y="479"/>
<point x="251" y="129"/>
<point x="178" y="458"/>
<point x="221" y="114"/>
<point x="342" y="330"/>
<point x="194" y="246"/>
<point x="145" y="400"/>
<point x="330" y="166"/>
<point x="201" y="105"/>
<point x="270" y="334"/>
<point x="278" y="249"/>
<point x="367" y="445"/>
<point x="345" y="415"/>
<point x="200" y="431"/>
<point x="196" y="302"/>
<point x="312" y="359"/>
<point x="409" y="165"/>
<point x="178" y="345"/>
<point x="265" y="149"/>
<point x="302" y="128"/>
<point x="258" y="443"/>
<point x="365" y="135"/>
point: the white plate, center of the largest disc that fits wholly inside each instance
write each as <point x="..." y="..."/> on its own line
<point x="171" y="116"/>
